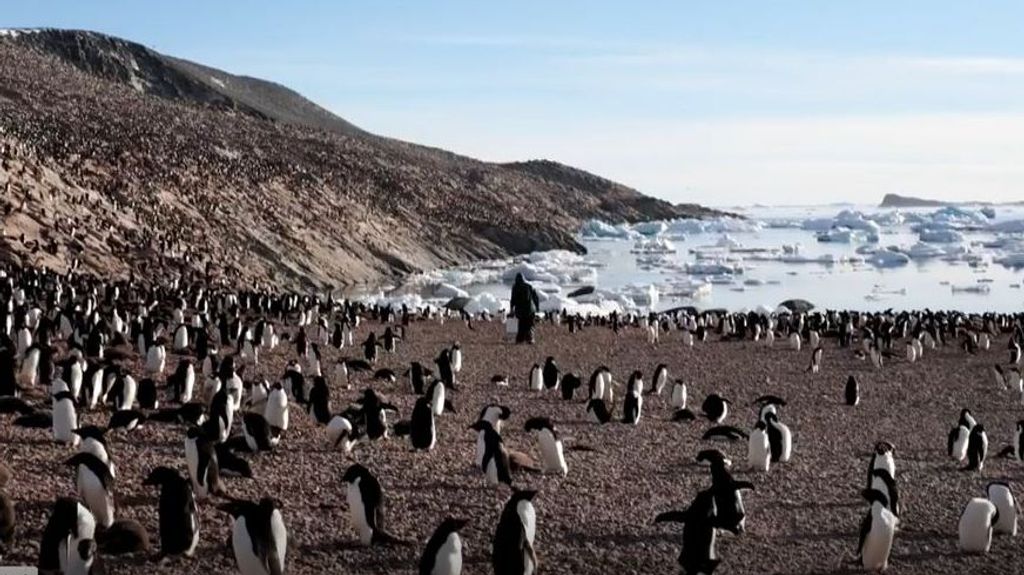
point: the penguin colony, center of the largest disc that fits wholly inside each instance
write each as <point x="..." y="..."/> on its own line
<point x="175" y="417"/>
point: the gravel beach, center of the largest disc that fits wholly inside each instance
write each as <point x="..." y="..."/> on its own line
<point x="803" y="517"/>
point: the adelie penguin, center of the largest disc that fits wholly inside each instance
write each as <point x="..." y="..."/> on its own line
<point x="495" y="414"/>
<point x="678" y="400"/>
<point x="730" y="514"/>
<point x="698" y="555"/>
<point x="492" y="458"/>
<point x="634" y="399"/>
<point x="366" y="505"/>
<point x="999" y="494"/>
<point x="69" y="523"/>
<point x="443" y="553"/>
<point x="550" y="373"/>
<point x="551" y="449"/>
<point x="851" y="393"/>
<point x="65" y="419"/>
<point x="715" y="408"/>
<point x="883" y="481"/>
<point x="815" y="365"/>
<point x="536" y="378"/>
<point x="178" y="513"/>
<point x="202" y="463"/>
<point x="759" y="448"/>
<point x="876" y="532"/>
<point x="258" y="536"/>
<point x="259" y="435"/>
<point x="95" y="486"/>
<point x="977" y="449"/>
<point x="598" y="411"/>
<point x="780" y="438"/>
<point x="659" y="379"/>
<point x="569" y="384"/>
<point x="513" y="551"/>
<point x="422" y="431"/>
<point x="417" y="377"/>
<point x="976" y="524"/>
<point x="882" y="457"/>
<point x="959" y="436"/>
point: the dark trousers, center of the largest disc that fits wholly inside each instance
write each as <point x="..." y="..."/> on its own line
<point x="525" y="333"/>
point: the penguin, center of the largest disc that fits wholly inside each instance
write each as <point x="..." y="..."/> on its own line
<point x="535" y="378"/>
<point x="758" y="448"/>
<point x="259" y="435"/>
<point x="69" y="523"/>
<point x="181" y="339"/>
<point x="1018" y="441"/>
<point x="276" y="410"/>
<point x="127" y="419"/>
<point x="456" y="355"/>
<point x="374" y="411"/>
<point x="659" y="379"/>
<point x="976" y="523"/>
<point x="999" y="494"/>
<point x="911" y="352"/>
<point x="726" y="432"/>
<point x="494" y="461"/>
<point x="883" y="481"/>
<point x="178" y="512"/>
<point x="715" y="408"/>
<point x="794" y="341"/>
<point x="436" y="392"/>
<point x="423" y="432"/>
<point x="320" y="400"/>
<point x="815" y="365"/>
<point x="222" y="415"/>
<point x="598" y="411"/>
<point x="65" y="419"/>
<point x="156" y="357"/>
<point x="229" y="464"/>
<point x="634" y="400"/>
<point x="882" y="458"/>
<point x="366" y="505"/>
<point x="876" y="532"/>
<point x="95" y="485"/>
<point x="443" y="553"/>
<point x="341" y="434"/>
<point x="182" y="382"/>
<point x="417" y="377"/>
<point x="780" y="438"/>
<point x="1015" y="353"/>
<point x="569" y="384"/>
<point x="258" y="536"/>
<point x="202" y="463"/>
<point x="551" y="449"/>
<point x="977" y="449"/>
<point x="444" y="367"/>
<point x="512" y="550"/>
<point x="550" y="373"/>
<point x="147" y="395"/>
<point x="958" y="439"/>
<point x="852" y="392"/>
<point x="678" y="400"/>
<point x="699" y="533"/>
<point x="496" y="415"/>
<point x="599" y="379"/>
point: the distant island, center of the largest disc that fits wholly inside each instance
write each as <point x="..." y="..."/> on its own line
<point x="898" y="201"/>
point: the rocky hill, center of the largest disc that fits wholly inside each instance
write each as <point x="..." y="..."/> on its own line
<point x="898" y="201"/>
<point x="129" y="161"/>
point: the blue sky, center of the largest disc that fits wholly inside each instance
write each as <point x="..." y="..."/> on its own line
<point x="718" y="102"/>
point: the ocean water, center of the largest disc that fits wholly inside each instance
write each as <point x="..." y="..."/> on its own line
<point x="950" y="282"/>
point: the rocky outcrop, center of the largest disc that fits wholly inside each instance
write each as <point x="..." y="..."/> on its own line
<point x="129" y="161"/>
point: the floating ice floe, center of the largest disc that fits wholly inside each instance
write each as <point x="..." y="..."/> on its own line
<point x="596" y="229"/>
<point x="653" y="246"/>
<point x="1014" y="260"/>
<point x="888" y="259"/>
<point x="712" y="268"/>
<point x="956" y="216"/>
<point x="940" y="235"/>
<point x="845" y="236"/>
<point x="977" y="288"/>
<point x="650" y="228"/>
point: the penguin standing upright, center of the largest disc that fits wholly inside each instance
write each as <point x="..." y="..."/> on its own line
<point x="550" y="373"/>
<point x="366" y="505"/>
<point x="258" y="536"/>
<point x="876" y="532"/>
<point x="977" y="449"/>
<point x="999" y="494"/>
<point x="598" y="411"/>
<point x="678" y="394"/>
<point x="715" y="408"/>
<point x="976" y="523"/>
<point x="423" y="433"/>
<point x="417" y="377"/>
<point x="276" y="410"/>
<point x="551" y="448"/>
<point x="178" y="513"/>
<point x="882" y="458"/>
<point x="495" y="414"/>
<point x="69" y="523"/>
<point x="780" y="438"/>
<point x="493" y="458"/>
<point x="959" y="436"/>
<point x="536" y="378"/>
<point x="699" y="526"/>
<point x="437" y="395"/>
<point x="512" y="551"/>
<point x="759" y="448"/>
<point x="634" y="400"/>
<point x="443" y="553"/>
<point x="95" y="486"/>
<point x="815" y="366"/>
<point x="65" y="419"/>
<point x="374" y="410"/>
<point x="202" y="463"/>
<point x="659" y="379"/>
<point x="456" y="354"/>
<point x="852" y="392"/>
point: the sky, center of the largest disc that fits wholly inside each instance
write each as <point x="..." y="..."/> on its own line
<point x="720" y="102"/>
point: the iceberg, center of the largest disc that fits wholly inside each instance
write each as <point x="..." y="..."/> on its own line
<point x="940" y="235"/>
<point x="888" y="259"/>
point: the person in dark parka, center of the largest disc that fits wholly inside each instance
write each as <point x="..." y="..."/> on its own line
<point x="524" y="305"/>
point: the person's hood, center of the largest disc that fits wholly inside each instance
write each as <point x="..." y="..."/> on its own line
<point x="520" y="279"/>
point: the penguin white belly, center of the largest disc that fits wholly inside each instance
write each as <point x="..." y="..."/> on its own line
<point x="279" y="537"/>
<point x="192" y="462"/>
<point x="759" y="451"/>
<point x="248" y="562"/>
<point x="357" y="512"/>
<point x="1007" y="507"/>
<point x="960" y="445"/>
<point x="276" y="412"/>
<point x="181" y="339"/>
<point x="787" y="442"/>
<point x="437" y="402"/>
<point x="193" y="521"/>
<point x="335" y="428"/>
<point x="528" y="517"/>
<point x="65" y="421"/>
<point x="449" y="557"/>
<point x="492" y="472"/>
<point x="815" y="339"/>
<point x="536" y="381"/>
<point x="679" y="396"/>
<point x="75" y="385"/>
<point x="457" y="361"/>
<point x="878" y="542"/>
<point x="189" y="385"/>
<point x="885" y="461"/>
<point x="131" y="388"/>
<point x="97" y="499"/>
<point x="794" y="342"/>
<point x="554" y="456"/>
<point x="975" y="527"/>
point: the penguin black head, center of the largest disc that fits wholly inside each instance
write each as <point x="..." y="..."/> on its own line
<point x="91" y="432"/>
<point x="761" y="425"/>
<point x="452" y="525"/>
<point x="162" y="476"/>
<point x="714" y="457"/>
<point x="883" y="447"/>
<point x="354" y="472"/>
<point x="538" y="424"/>
<point x="523" y="495"/>
<point x="481" y="425"/>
